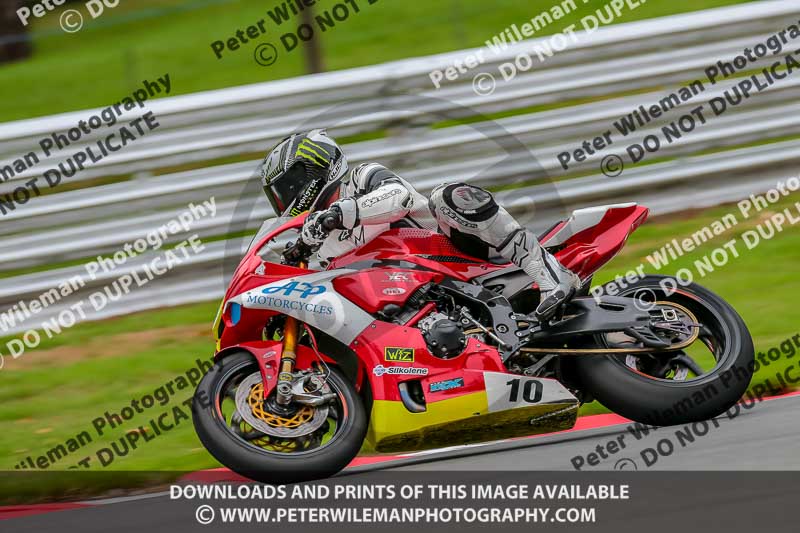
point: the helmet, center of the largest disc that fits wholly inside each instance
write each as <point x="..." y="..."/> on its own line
<point x="303" y="172"/>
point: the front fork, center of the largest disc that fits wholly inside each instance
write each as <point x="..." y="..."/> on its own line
<point x="291" y="332"/>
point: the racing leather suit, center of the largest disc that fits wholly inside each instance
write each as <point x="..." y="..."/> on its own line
<point x="375" y="199"/>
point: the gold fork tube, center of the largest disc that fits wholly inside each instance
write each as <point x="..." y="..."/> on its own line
<point x="291" y="333"/>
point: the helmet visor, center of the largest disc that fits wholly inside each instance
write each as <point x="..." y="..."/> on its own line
<point x="282" y="190"/>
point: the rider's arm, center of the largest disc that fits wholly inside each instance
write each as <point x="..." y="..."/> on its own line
<point x="388" y="203"/>
<point x="377" y="196"/>
<point x="380" y="197"/>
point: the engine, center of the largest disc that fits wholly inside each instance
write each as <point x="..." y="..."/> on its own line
<point x="460" y="313"/>
<point x="444" y="337"/>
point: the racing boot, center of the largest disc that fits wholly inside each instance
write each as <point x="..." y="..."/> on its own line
<point x="557" y="284"/>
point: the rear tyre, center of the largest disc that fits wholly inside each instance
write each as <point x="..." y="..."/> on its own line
<point x="320" y="453"/>
<point x="669" y="398"/>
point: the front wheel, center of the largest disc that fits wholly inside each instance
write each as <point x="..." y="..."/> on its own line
<point x="696" y="383"/>
<point x="264" y="441"/>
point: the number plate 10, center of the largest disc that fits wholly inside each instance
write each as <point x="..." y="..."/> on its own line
<point x="509" y="391"/>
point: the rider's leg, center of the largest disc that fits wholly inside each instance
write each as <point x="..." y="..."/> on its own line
<point x="463" y="209"/>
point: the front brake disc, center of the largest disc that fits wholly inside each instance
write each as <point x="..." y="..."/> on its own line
<point x="250" y="404"/>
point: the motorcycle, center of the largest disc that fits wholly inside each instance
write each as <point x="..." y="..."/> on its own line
<point x="406" y="343"/>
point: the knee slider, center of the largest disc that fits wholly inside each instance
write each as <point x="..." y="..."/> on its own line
<point x="470" y="202"/>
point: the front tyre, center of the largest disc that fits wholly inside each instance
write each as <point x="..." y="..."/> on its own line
<point x="668" y="388"/>
<point x="274" y="444"/>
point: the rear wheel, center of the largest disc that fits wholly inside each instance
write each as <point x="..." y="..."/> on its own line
<point x="270" y="443"/>
<point x="697" y="382"/>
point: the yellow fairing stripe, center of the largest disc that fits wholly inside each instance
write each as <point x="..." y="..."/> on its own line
<point x="392" y="418"/>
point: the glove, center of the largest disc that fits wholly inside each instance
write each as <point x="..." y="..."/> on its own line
<point x="318" y="225"/>
<point x="313" y="234"/>
<point x="296" y="252"/>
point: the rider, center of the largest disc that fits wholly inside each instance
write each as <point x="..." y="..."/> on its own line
<point x="308" y="172"/>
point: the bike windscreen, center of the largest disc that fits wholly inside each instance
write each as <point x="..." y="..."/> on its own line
<point x="272" y="251"/>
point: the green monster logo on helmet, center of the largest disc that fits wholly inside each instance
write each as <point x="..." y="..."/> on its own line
<point x="313" y="152"/>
